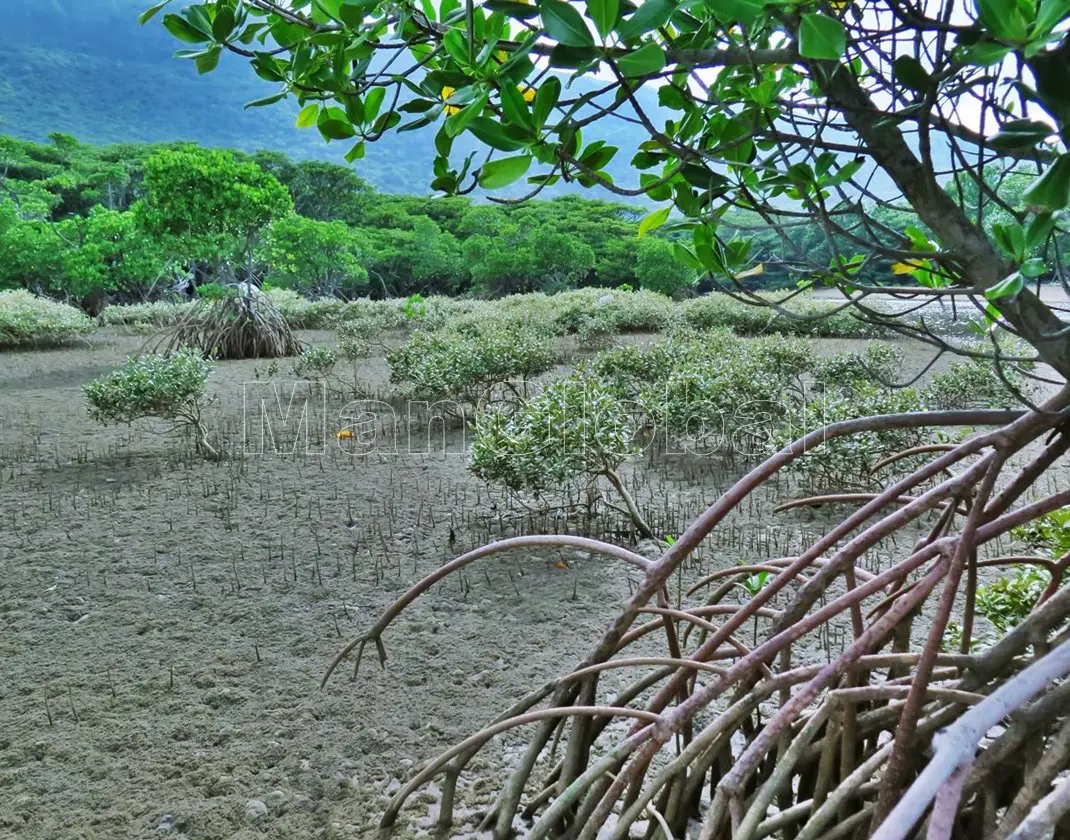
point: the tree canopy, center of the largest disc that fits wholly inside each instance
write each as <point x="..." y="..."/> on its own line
<point x="783" y="110"/>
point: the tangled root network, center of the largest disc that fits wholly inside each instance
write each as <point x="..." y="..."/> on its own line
<point x="898" y="734"/>
<point x="244" y="327"/>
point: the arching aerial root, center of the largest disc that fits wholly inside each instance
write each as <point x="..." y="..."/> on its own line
<point x="749" y="743"/>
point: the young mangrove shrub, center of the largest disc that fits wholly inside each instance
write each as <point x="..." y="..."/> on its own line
<point x="468" y="365"/>
<point x="26" y="319"/>
<point x="1048" y="535"/>
<point x="847" y="462"/>
<point x="574" y="430"/>
<point x="317" y="362"/>
<point x="972" y="383"/>
<point x="164" y="387"/>
<point x="879" y="363"/>
<point x="1007" y="602"/>
<point x="814" y="317"/>
<point x="158" y="313"/>
<point x="727" y="394"/>
<point x="355" y="338"/>
<point x="632" y="368"/>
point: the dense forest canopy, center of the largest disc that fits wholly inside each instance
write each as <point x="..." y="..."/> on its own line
<point x="129" y="219"/>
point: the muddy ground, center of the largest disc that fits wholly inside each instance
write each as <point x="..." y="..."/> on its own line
<point x="165" y="621"/>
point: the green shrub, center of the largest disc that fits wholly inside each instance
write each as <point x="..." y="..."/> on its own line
<point x="1049" y="535"/>
<point x="574" y="430"/>
<point x="713" y="387"/>
<point x="26" y="319"/>
<point x="466" y="365"/>
<point x="316" y="362"/>
<point x="159" y="313"/>
<point x="216" y="291"/>
<point x="879" y="362"/>
<point x="292" y="306"/>
<point x="720" y="310"/>
<point x="631" y="368"/>
<point x="165" y="387"/>
<point x="574" y="427"/>
<point x="972" y="383"/>
<point x="1007" y="602"/>
<point x="846" y="462"/>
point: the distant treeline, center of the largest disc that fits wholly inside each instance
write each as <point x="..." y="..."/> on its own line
<point x="127" y="222"/>
<point x="128" y="219"/>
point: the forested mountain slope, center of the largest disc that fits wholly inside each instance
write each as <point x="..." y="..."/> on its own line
<point x="85" y="67"/>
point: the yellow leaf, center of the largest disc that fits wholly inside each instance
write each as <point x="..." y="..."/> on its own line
<point x="345" y="434"/>
<point x="757" y="271"/>
<point x="528" y="93"/>
<point x="560" y="564"/>
<point x="447" y="92"/>
<point x="904" y="268"/>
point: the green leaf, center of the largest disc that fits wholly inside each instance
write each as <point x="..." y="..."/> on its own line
<point x="1006" y="288"/>
<point x="333" y="124"/>
<point x="686" y="256"/>
<point x="491" y="133"/>
<point x="1051" y="191"/>
<point x="605" y="14"/>
<point x="223" y="24"/>
<point x="356" y="153"/>
<point x="1049" y="15"/>
<point x="386" y="122"/>
<point x="267" y="100"/>
<point x="1020" y="134"/>
<point x="910" y="73"/>
<point x="645" y="61"/>
<point x="515" y="108"/>
<point x="986" y="53"/>
<point x="545" y="99"/>
<point x="184" y="30"/>
<point x="457" y="123"/>
<point x="457" y="46"/>
<point x="572" y="57"/>
<point x="151" y="12"/>
<point x="1039" y="230"/>
<point x="520" y="11"/>
<point x="417" y="106"/>
<point x="207" y="61"/>
<point x="564" y="24"/>
<point x="737" y="144"/>
<point x="496" y="174"/>
<point x="1002" y="18"/>
<point x="372" y="102"/>
<point x="649" y="16"/>
<point x="743" y="11"/>
<point x="821" y="37"/>
<point x="1035" y="267"/>
<point x="306" y="117"/>
<point x="353" y="14"/>
<point x="654" y="220"/>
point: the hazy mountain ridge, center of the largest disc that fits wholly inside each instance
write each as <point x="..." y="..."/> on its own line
<point x="85" y="67"/>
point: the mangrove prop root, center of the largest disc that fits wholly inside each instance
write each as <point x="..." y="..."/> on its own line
<point x="814" y="750"/>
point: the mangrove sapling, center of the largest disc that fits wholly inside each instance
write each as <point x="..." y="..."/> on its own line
<point x="167" y="387"/>
<point x="575" y="429"/>
<point x="469" y="365"/>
